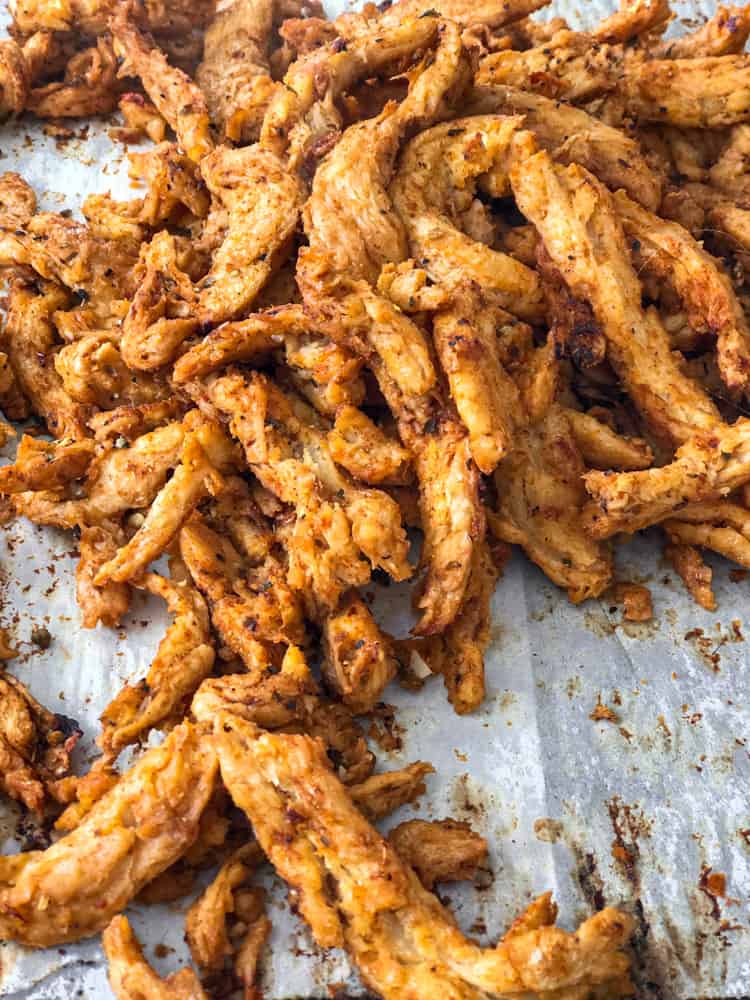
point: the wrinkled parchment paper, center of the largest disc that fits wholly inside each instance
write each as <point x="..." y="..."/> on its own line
<point x="635" y="813"/>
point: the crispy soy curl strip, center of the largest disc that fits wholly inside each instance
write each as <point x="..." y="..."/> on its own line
<point x="457" y="653"/>
<point x="570" y="66"/>
<point x="349" y="213"/>
<point x="572" y="135"/>
<point x="540" y="494"/>
<point x="488" y="13"/>
<point x="130" y="422"/>
<point x="234" y="74"/>
<point x="96" y="269"/>
<point x="262" y="201"/>
<point x="172" y="92"/>
<point x="710" y="92"/>
<point x="41" y="465"/>
<point x="206" y="921"/>
<point x="14" y="78"/>
<point x="247" y="341"/>
<point x="729" y="173"/>
<point x="540" y="500"/>
<point x="694" y="571"/>
<point x="381" y="794"/>
<point x="353" y="229"/>
<point x="603" y="448"/>
<point x="302" y="113"/>
<point x="729" y="541"/>
<point x="439" y="850"/>
<point x="88" y="88"/>
<point x="452" y="520"/>
<point x="119" y="479"/>
<point x="132" y="978"/>
<point x="726" y="33"/>
<point x="363" y="449"/>
<point x="132" y="834"/>
<point x="161" y="313"/>
<point x="577" y="220"/>
<point x="71" y="260"/>
<point x="94" y="372"/>
<point x="289" y="698"/>
<point x="107" y="604"/>
<point x="466" y="340"/>
<point x="576" y="66"/>
<point x="632" y="20"/>
<point x="352" y="314"/>
<point x="206" y="453"/>
<point x="184" y="658"/>
<point x="436" y="180"/>
<point x="327" y="374"/>
<point x="91" y="17"/>
<point x="720" y="525"/>
<point x="669" y="252"/>
<point x="235" y="564"/>
<point x="30" y="343"/>
<point x="706" y="468"/>
<point x="360" y="519"/>
<point x="35" y="746"/>
<point x="358" y="658"/>
<point x="173" y="186"/>
<point x="402" y="940"/>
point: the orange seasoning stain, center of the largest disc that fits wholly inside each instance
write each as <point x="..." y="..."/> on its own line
<point x="713" y="883"/>
<point x="621" y="853"/>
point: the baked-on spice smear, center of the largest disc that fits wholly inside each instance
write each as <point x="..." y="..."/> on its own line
<point x="436" y="278"/>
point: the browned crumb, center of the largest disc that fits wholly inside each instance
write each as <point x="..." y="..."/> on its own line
<point x="439" y="851"/>
<point x="603" y="713"/>
<point x="384" y="729"/>
<point x="127" y="136"/>
<point x="636" y="601"/>
<point x="56" y="131"/>
<point x="41" y="637"/>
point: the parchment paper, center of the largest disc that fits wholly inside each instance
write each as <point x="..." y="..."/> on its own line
<point x="632" y="813"/>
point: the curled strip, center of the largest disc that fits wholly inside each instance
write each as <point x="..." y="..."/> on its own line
<point x="140" y="827"/>
<point x="576" y="218"/>
<point x="130" y="975"/>
<point x="184" y="658"/>
<point x="706" y="468"/>
<point x="400" y="937"/>
<point x="436" y="180"/>
<point x="170" y="90"/>
<point x="668" y="251"/>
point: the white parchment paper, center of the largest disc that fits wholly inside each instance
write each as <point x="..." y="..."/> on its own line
<point x="632" y="813"/>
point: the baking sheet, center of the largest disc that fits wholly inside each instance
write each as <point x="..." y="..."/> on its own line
<point x="636" y="813"/>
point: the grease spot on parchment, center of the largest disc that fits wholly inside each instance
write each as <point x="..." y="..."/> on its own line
<point x="507" y="699"/>
<point x="597" y="622"/>
<point x="573" y="686"/>
<point x="467" y="798"/>
<point x="548" y="830"/>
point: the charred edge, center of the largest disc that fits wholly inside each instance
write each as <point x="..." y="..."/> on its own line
<point x="587" y="875"/>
